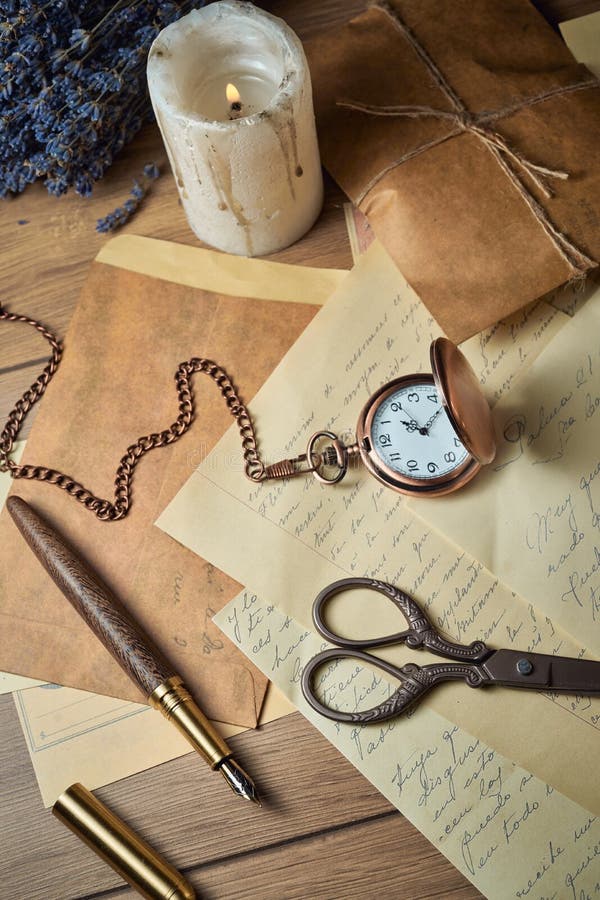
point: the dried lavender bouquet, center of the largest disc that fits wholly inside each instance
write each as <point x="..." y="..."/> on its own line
<point x="73" y="88"/>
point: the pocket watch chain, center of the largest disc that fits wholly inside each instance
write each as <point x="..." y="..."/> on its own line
<point x="118" y="509"/>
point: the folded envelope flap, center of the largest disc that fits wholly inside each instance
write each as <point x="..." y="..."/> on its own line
<point x="226" y="690"/>
<point x="115" y="383"/>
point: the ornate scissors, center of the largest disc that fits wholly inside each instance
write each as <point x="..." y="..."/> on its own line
<point x="477" y="664"/>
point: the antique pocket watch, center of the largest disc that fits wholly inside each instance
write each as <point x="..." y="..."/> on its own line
<point x="419" y="434"/>
<point x="423" y="435"/>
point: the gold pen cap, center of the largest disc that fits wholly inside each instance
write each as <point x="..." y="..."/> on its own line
<point x="118" y="845"/>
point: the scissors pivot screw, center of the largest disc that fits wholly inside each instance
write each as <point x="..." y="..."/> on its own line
<point x="524" y="667"/>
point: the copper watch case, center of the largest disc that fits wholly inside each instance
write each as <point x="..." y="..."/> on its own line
<point x="466" y="408"/>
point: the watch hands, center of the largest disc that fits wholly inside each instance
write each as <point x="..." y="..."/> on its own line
<point x="412" y="425"/>
<point x="432" y="419"/>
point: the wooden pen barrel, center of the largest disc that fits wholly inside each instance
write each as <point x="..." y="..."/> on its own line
<point x="93" y="600"/>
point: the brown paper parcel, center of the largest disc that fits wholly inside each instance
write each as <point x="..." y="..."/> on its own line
<point x="456" y="124"/>
<point x="115" y="383"/>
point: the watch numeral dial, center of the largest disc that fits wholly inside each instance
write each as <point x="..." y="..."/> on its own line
<point x="411" y="434"/>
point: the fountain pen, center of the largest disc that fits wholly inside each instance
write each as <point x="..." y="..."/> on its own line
<point x="129" y="645"/>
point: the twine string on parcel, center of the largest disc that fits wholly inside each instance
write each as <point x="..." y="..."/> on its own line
<point x="477" y="124"/>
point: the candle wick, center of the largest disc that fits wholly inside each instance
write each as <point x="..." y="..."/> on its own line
<point x="235" y="110"/>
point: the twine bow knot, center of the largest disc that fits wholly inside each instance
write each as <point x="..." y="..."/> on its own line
<point x="465" y="119"/>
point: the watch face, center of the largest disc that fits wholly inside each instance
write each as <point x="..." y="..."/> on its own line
<point x="408" y="442"/>
<point x="413" y="435"/>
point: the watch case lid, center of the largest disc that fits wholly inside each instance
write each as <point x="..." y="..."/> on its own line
<point x="463" y="399"/>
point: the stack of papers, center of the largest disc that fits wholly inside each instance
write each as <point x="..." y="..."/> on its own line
<point x="466" y="767"/>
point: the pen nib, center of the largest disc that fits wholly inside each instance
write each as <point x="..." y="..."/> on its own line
<point x="239" y="781"/>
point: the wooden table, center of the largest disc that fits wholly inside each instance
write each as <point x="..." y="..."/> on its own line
<point x="324" y="831"/>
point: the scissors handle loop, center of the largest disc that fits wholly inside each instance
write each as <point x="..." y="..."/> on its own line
<point x="415" y="681"/>
<point x="420" y="632"/>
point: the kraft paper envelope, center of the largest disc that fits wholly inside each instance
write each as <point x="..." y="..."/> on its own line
<point x="445" y="176"/>
<point x="73" y="735"/>
<point x="8" y="682"/>
<point x="128" y="335"/>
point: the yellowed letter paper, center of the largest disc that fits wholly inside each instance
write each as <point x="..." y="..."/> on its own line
<point x="287" y="540"/>
<point x="509" y="832"/>
<point x="533" y="516"/>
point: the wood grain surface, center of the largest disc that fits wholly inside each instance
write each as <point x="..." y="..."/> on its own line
<point x="324" y="831"/>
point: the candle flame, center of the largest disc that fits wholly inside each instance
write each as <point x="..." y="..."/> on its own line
<point x="232" y="94"/>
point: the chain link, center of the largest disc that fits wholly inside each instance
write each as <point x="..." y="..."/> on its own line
<point x="118" y="509"/>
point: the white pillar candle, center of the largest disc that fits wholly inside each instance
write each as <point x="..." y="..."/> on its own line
<point x="248" y="172"/>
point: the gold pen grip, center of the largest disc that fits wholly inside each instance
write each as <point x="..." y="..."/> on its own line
<point x="176" y="703"/>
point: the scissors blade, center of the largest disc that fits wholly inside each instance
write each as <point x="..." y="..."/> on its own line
<point x="539" y="671"/>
